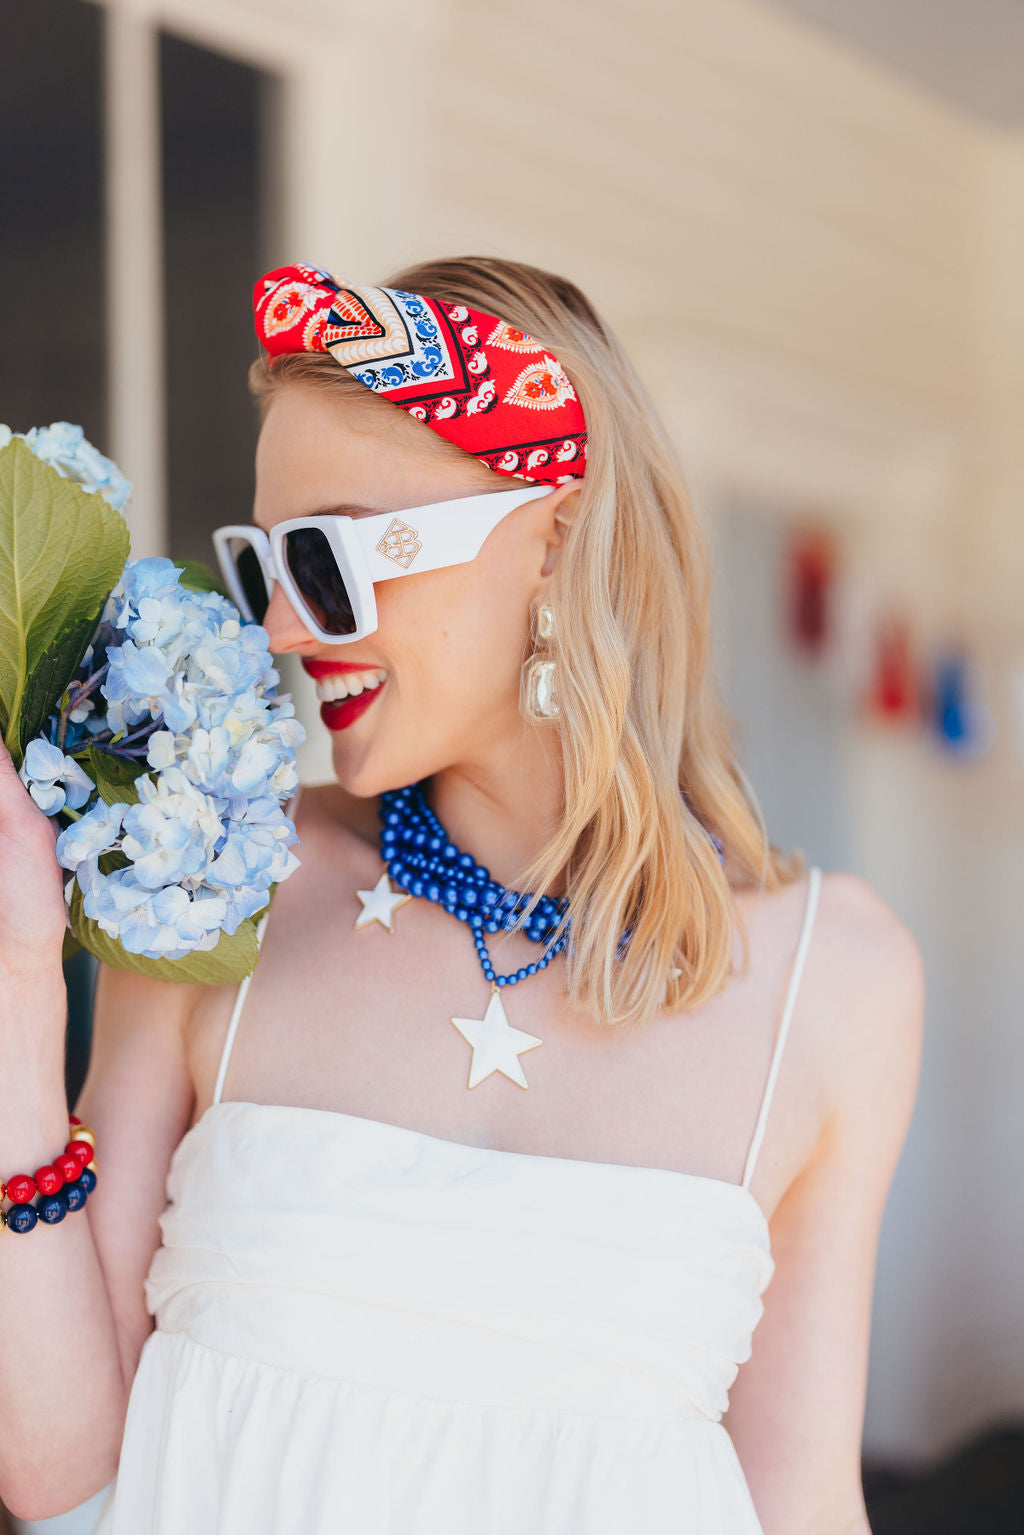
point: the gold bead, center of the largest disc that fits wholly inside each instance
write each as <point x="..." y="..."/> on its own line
<point x="92" y="1166"/>
<point x="82" y="1133"/>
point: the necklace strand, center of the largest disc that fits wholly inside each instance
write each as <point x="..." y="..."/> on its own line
<point x="420" y="858"/>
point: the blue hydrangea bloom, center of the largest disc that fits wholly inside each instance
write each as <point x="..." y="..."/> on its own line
<point x="97" y="832"/>
<point x="167" y="923"/>
<point x="193" y="690"/>
<point x="176" y="684"/>
<point x="66" y="448"/>
<point x="53" y="779"/>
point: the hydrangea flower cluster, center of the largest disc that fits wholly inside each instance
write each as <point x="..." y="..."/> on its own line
<point x="66" y="448"/>
<point x="188" y="693"/>
<point x="170" y="755"/>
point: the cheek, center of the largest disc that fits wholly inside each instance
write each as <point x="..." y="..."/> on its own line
<point x="457" y="631"/>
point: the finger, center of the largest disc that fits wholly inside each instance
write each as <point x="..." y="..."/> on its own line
<point x="8" y="772"/>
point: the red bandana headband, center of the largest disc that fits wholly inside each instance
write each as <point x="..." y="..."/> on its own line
<point x="485" y="385"/>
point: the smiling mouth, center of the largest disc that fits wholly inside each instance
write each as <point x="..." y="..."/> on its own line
<point x="344" y="698"/>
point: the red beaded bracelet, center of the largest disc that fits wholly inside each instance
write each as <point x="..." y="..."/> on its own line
<point x="64" y="1183"/>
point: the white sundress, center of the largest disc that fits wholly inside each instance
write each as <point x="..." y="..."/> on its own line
<point x="362" y="1328"/>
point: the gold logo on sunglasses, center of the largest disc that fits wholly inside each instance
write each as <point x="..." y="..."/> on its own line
<point x="400" y="543"/>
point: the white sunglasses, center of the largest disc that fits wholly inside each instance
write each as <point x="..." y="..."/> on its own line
<point x="327" y="565"/>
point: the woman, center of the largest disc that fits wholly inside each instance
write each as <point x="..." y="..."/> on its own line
<point x="505" y="1275"/>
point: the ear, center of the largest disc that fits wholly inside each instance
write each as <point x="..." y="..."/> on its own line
<point x="563" y="507"/>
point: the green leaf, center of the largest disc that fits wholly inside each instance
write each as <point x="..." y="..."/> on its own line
<point x="54" y="669"/>
<point x="231" y="959"/>
<point x="61" y="552"/>
<point x="115" y="776"/>
<point x="199" y="577"/>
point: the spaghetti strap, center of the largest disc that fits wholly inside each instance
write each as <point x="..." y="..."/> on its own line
<point x="243" y="988"/>
<point x="810" y="910"/>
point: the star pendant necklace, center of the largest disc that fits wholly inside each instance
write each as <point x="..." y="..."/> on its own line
<point x="422" y="861"/>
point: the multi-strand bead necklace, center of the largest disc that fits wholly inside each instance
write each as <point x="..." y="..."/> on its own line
<point x="422" y="860"/>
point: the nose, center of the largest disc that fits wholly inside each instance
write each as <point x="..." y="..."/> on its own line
<point x="287" y="633"/>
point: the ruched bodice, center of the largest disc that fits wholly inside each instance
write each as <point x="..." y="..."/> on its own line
<point x="364" y="1327"/>
<point x="643" y="1284"/>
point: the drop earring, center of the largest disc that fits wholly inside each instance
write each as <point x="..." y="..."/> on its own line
<point x="537" y="696"/>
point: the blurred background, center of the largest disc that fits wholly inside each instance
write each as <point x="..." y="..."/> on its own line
<point x="805" y="219"/>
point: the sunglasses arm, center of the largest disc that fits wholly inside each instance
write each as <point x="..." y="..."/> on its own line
<point x="432" y="537"/>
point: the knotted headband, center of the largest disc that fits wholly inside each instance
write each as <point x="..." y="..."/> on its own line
<point x="482" y="383"/>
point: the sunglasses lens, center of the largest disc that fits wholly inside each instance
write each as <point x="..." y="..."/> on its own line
<point x="250" y="577"/>
<point x="315" y="572"/>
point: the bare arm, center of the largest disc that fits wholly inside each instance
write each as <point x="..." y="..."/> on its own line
<point x="796" y="1410"/>
<point x="72" y="1292"/>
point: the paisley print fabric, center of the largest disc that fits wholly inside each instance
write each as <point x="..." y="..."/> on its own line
<point x="487" y="386"/>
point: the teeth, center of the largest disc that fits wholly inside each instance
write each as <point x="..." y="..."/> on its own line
<point x="346" y="684"/>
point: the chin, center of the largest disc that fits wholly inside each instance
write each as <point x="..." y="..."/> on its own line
<point x="368" y="777"/>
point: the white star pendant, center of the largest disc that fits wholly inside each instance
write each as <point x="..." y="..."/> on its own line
<point x="380" y="903"/>
<point x="497" y="1046"/>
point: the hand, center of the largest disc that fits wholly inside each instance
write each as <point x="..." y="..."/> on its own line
<point x="32" y="911"/>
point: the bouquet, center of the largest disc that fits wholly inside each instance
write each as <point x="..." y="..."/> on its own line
<point x="143" y="715"/>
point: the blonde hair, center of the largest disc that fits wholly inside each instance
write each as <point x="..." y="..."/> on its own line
<point x="649" y="768"/>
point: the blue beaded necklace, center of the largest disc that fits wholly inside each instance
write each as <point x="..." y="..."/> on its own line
<point x="421" y="859"/>
<point x="419" y="856"/>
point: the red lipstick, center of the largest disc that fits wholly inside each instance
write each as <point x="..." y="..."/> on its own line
<point x="318" y="668"/>
<point x="342" y="712"/>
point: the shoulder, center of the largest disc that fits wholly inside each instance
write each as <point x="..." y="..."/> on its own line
<point x="866" y="983"/>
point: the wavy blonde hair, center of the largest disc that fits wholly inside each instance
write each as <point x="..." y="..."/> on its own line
<point x="649" y="768"/>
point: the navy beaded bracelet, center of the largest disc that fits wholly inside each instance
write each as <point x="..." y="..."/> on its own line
<point x="63" y="1185"/>
<point x="51" y="1207"/>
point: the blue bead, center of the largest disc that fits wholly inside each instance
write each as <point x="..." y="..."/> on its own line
<point x="419" y="838"/>
<point x="87" y="1179"/>
<point x="467" y="861"/>
<point x="74" y="1194"/>
<point x="52" y="1208"/>
<point x="462" y="913"/>
<point x="469" y="896"/>
<point x="22" y="1217"/>
<point x="433" y="891"/>
<point x="435" y="844"/>
<point x="531" y="969"/>
<point x="500" y="980"/>
<point x="416" y="888"/>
